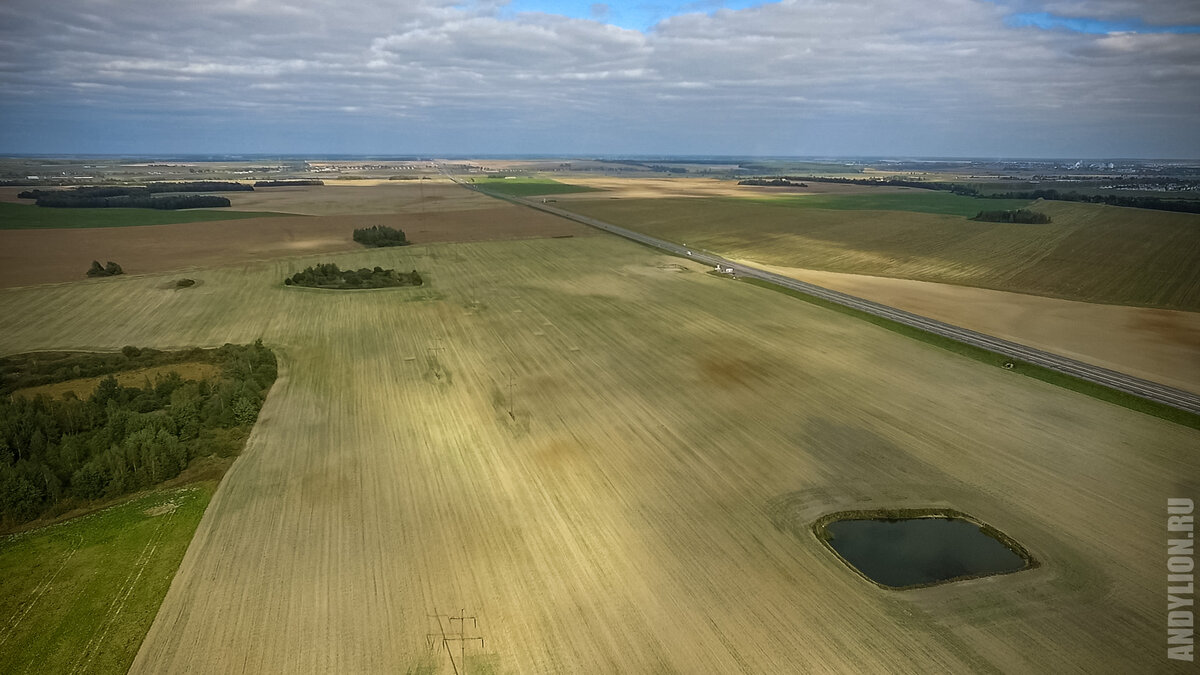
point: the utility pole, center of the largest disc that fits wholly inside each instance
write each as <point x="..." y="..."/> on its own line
<point x="434" y="362"/>
<point x="510" y="398"/>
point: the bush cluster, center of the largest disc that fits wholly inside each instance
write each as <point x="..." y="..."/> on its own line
<point x="380" y="235"/>
<point x="108" y="270"/>
<point x="1013" y="216"/>
<point x="329" y="275"/>
<point x="58" y="454"/>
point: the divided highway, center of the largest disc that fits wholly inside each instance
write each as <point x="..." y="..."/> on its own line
<point x="1151" y="391"/>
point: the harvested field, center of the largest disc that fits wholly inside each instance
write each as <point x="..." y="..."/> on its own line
<point x="29" y="257"/>
<point x="1091" y="252"/>
<point x="656" y="188"/>
<point x="361" y="197"/>
<point x="639" y="499"/>
<point x="84" y="386"/>
<point x="528" y="187"/>
<point x="1154" y="344"/>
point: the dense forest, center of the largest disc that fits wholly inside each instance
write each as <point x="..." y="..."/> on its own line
<point x="288" y="183"/>
<point x="329" y="275"/>
<point x="109" y="270"/>
<point x="1024" y="216"/>
<point x="170" y="196"/>
<point x="380" y="235"/>
<point x="57" y="454"/>
<point x="169" y="202"/>
<point x="1155" y="203"/>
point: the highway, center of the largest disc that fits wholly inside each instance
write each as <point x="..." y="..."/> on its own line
<point x="1151" y="391"/>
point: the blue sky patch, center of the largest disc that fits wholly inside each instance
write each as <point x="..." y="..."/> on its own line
<point x="633" y="14"/>
<point x="1048" y="21"/>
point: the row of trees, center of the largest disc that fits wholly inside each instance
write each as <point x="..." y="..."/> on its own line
<point x="893" y="182"/>
<point x="56" y="454"/>
<point x="288" y="183"/>
<point x="152" y="196"/>
<point x="137" y="191"/>
<point x="108" y="270"/>
<point x="1024" y="216"/>
<point x="772" y="182"/>
<point x="329" y="275"/>
<point x="380" y="235"/>
<point x="168" y="202"/>
<point x="1133" y="201"/>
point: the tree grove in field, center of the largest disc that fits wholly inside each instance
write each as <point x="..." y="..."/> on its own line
<point x="329" y="275"/>
<point x="380" y="235"/>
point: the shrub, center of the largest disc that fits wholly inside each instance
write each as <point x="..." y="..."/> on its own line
<point x="109" y="269"/>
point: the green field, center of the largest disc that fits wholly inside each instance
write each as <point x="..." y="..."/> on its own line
<point x="918" y="201"/>
<point x="526" y="187"/>
<point x="1090" y="252"/>
<point x="79" y="596"/>
<point x="29" y="217"/>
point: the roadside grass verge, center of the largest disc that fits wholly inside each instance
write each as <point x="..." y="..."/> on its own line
<point x="526" y="187"/>
<point x="30" y="217"/>
<point x="1044" y="374"/>
<point x="81" y="595"/>
<point x="917" y="201"/>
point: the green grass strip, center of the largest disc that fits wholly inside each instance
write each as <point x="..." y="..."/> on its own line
<point x="30" y="217"/>
<point x="527" y="187"/>
<point x="81" y="595"/>
<point x="917" y="201"/>
<point x="1097" y="391"/>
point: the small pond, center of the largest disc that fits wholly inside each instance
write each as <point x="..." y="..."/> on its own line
<point x="921" y="551"/>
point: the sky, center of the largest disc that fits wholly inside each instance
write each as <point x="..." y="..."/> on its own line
<point x="908" y="78"/>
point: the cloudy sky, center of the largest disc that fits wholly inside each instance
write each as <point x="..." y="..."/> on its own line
<point x="1011" y="78"/>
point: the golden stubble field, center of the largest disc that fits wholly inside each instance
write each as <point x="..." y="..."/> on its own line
<point x="645" y="506"/>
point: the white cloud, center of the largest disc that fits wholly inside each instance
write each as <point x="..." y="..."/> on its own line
<point x="920" y="66"/>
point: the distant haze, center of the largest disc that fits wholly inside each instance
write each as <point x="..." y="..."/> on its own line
<point x="950" y="78"/>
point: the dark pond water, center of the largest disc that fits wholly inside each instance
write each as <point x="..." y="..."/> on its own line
<point x="914" y="551"/>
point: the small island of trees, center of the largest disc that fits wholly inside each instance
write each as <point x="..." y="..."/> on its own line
<point x="380" y="235"/>
<point x="329" y="275"/>
<point x="1024" y="216"/>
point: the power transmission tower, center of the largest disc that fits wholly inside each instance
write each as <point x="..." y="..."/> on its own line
<point x="461" y="637"/>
